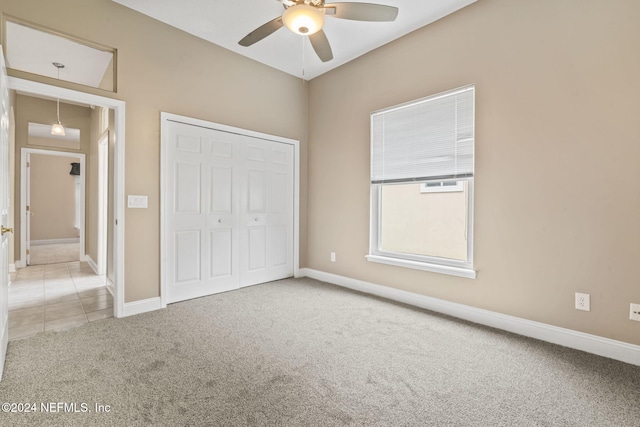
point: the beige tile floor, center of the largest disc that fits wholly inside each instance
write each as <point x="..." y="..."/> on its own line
<point x="56" y="297"/>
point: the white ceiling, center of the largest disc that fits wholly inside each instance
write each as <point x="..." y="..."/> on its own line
<point x="225" y="22"/>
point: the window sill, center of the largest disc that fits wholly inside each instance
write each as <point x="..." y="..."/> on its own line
<point x="436" y="268"/>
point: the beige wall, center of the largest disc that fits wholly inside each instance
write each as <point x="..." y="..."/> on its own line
<point x="557" y="150"/>
<point x="161" y="68"/>
<point x="92" y="192"/>
<point x="107" y="82"/>
<point x="31" y="109"/>
<point x="52" y="198"/>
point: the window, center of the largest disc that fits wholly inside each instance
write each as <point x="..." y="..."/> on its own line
<point x="422" y="165"/>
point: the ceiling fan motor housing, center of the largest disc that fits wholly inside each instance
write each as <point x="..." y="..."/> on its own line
<point x="303" y="19"/>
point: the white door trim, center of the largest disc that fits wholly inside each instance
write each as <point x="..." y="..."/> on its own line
<point x="25" y="182"/>
<point x="35" y="88"/>
<point x="165" y="118"/>
<point x="5" y="206"/>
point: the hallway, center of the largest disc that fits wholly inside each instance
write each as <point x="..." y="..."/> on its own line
<point x="56" y="253"/>
<point x="56" y="297"/>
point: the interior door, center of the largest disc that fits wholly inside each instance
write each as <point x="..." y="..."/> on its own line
<point x="4" y="211"/>
<point x="28" y="212"/>
<point x="228" y="211"/>
<point x="266" y="188"/>
<point x="200" y="209"/>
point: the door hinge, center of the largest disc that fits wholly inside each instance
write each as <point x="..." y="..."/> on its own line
<point x="28" y="251"/>
<point x="27" y="208"/>
<point x="28" y="164"/>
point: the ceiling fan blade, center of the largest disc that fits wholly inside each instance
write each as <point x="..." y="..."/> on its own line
<point x="261" y="32"/>
<point x="321" y="45"/>
<point x="362" y="11"/>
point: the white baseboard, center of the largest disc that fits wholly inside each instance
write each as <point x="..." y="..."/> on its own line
<point x="142" y="306"/>
<point x="12" y="268"/>
<point x="618" y="350"/>
<point x="92" y="264"/>
<point x="109" y="285"/>
<point x="20" y="263"/>
<point x="54" y="241"/>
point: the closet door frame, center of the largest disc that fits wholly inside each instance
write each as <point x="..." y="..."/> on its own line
<point x="165" y="120"/>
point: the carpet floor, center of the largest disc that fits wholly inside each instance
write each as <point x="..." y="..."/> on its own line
<point x="299" y="352"/>
<point x="54" y="253"/>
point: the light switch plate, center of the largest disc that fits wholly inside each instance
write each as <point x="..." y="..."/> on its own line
<point x="137" y="202"/>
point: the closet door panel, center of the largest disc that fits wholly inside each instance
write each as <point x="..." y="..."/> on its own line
<point x="201" y="212"/>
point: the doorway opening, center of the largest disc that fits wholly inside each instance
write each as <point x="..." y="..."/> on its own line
<point x="115" y="209"/>
<point x="53" y="206"/>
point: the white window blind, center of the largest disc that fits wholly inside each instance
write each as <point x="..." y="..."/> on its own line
<point x="428" y="139"/>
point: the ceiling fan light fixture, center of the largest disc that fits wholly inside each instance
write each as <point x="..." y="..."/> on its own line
<point x="303" y="19"/>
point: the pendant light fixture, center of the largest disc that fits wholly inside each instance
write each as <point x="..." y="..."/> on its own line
<point x="57" y="129"/>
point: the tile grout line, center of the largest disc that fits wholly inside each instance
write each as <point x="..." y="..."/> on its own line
<point x="73" y="280"/>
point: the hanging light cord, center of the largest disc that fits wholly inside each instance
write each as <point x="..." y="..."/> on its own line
<point x="302" y="38"/>
<point x="57" y="128"/>
<point x="58" y="99"/>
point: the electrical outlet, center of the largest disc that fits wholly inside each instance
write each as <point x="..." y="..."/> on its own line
<point x="634" y="312"/>
<point x="333" y="257"/>
<point x="583" y="302"/>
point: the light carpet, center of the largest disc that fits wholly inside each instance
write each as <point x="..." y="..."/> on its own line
<point x="54" y="253"/>
<point x="299" y="352"/>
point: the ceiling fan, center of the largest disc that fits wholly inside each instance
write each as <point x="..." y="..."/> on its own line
<point x="306" y="17"/>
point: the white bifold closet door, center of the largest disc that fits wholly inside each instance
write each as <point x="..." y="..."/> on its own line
<point x="229" y="211"/>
